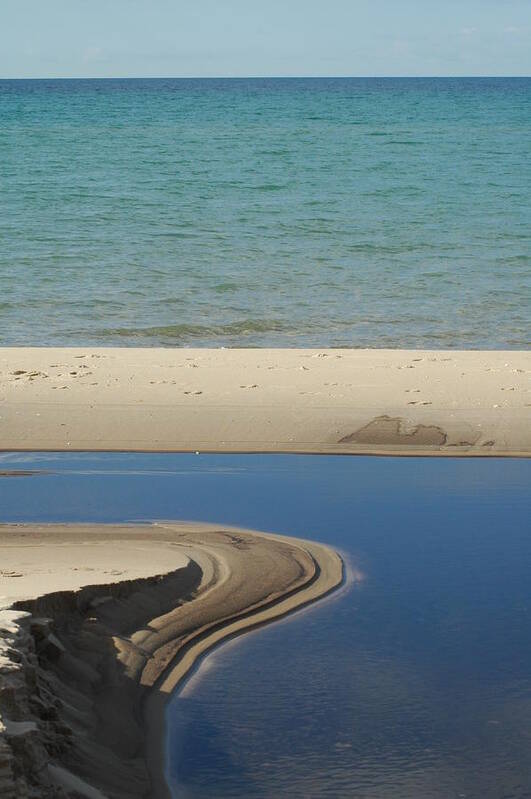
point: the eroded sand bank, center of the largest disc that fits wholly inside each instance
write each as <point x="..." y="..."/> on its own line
<point x="266" y="400"/>
<point x="99" y="623"/>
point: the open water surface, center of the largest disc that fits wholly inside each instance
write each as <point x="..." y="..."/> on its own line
<point x="413" y="682"/>
<point x="281" y="212"/>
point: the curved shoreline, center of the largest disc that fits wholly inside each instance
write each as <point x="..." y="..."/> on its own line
<point x="138" y="639"/>
<point x="329" y="575"/>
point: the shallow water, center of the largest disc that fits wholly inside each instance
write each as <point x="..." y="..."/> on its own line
<point x="415" y="682"/>
<point x="310" y="212"/>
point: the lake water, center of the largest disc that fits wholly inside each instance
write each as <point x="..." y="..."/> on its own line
<point x="413" y="682"/>
<point x="281" y="212"/>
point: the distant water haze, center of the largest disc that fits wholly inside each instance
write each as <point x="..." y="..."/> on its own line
<point x="281" y="212"/>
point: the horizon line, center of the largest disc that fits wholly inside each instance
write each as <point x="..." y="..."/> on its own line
<point x="263" y="77"/>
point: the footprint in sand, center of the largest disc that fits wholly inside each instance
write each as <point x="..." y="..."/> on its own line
<point x="4" y="573"/>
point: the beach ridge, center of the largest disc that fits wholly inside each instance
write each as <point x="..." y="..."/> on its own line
<point x="85" y="674"/>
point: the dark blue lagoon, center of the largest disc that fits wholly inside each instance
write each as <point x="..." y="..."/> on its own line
<point x="413" y="681"/>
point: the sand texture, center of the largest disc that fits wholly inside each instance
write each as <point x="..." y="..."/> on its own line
<point x="99" y="623"/>
<point x="265" y="400"/>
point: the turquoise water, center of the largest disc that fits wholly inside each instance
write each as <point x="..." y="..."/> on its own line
<point x="266" y="212"/>
<point x="415" y="683"/>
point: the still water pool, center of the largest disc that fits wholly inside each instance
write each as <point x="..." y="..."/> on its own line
<point x="413" y="682"/>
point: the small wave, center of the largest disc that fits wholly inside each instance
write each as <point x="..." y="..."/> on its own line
<point x="268" y="187"/>
<point x="405" y="142"/>
<point x="189" y="331"/>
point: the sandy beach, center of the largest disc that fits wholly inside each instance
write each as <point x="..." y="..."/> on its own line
<point x="99" y="623"/>
<point x="266" y="400"/>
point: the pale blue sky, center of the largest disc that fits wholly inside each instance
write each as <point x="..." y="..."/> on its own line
<point x="69" y="38"/>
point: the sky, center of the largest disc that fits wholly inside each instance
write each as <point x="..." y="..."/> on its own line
<point x="201" y="38"/>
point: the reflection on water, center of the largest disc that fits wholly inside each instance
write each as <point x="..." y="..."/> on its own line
<point x="416" y="682"/>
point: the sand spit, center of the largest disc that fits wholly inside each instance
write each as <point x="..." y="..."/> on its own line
<point x="99" y="623"/>
<point x="266" y="400"/>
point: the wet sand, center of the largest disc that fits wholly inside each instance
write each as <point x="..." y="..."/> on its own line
<point x="99" y="623"/>
<point x="400" y="402"/>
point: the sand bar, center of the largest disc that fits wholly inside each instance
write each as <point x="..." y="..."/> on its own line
<point x="100" y="623"/>
<point x="266" y="400"/>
